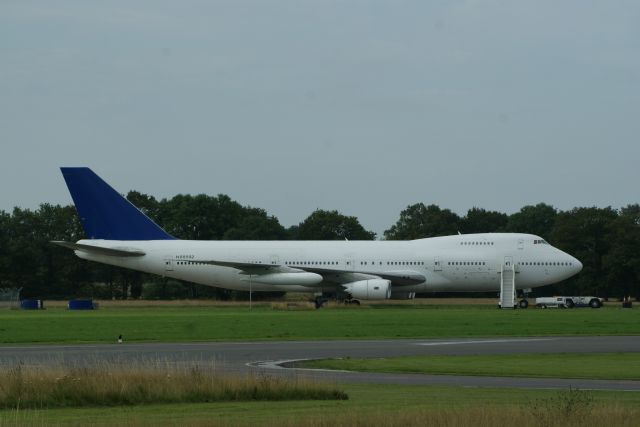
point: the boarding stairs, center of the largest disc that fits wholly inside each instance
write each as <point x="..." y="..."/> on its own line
<point x="508" y="286"/>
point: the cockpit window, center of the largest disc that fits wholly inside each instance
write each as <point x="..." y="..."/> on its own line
<point x="540" y="242"/>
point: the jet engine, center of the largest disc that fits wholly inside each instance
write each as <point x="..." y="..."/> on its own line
<point x="369" y="289"/>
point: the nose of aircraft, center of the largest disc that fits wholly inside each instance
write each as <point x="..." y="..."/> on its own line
<point x="577" y="265"/>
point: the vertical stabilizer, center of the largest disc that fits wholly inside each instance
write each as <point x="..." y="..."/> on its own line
<point x="104" y="213"/>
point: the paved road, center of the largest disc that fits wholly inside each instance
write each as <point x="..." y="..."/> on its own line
<point x="279" y="358"/>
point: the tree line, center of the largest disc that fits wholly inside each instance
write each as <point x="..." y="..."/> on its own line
<point x="605" y="240"/>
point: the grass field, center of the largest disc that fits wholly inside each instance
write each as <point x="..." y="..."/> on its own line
<point x="368" y="405"/>
<point x="388" y="405"/>
<point x="617" y="366"/>
<point x="175" y="323"/>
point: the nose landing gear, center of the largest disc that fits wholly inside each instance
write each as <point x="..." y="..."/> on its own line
<point x="524" y="303"/>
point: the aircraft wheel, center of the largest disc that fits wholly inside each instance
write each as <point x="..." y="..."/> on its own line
<point x="355" y="302"/>
<point x="523" y="303"/>
<point x="319" y="302"/>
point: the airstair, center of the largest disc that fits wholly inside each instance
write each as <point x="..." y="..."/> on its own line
<point x="507" y="285"/>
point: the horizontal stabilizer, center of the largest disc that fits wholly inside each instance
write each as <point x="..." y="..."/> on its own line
<point x="117" y="251"/>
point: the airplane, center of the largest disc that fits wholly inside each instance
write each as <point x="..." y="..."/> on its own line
<point x="120" y="234"/>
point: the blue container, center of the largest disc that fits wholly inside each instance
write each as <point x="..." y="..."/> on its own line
<point x="81" y="304"/>
<point x="31" y="304"/>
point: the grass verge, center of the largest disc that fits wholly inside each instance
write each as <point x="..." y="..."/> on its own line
<point x="378" y="405"/>
<point x="113" y="385"/>
<point x="180" y="324"/>
<point x="617" y="366"/>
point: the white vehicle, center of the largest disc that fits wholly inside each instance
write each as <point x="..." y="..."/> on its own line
<point x="119" y="234"/>
<point x="568" y="302"/>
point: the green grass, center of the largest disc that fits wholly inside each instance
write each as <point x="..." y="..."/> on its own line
<point x="617" y="366"/>
<point x="391" y="405"/>
<point x="175" y="324"/>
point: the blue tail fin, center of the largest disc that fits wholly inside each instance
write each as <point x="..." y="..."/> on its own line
<point x="104" y="213"/>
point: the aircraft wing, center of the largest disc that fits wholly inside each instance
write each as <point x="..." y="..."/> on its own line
<point x="269" y="274"/>
<point x="100" y="250"/>
<point x="246" y="267"/>
<point x="397" y="277"/>
<point x="400" y="278"/>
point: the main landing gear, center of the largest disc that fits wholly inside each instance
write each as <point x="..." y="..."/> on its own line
<point x="319" y="301"/>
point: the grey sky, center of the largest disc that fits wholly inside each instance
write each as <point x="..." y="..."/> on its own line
<point x="360" y="106"/>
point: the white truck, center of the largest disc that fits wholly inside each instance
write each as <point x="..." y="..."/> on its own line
<point x="568" y="302"/>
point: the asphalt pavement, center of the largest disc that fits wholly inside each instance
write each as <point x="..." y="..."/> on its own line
<point x="281" y="358"/>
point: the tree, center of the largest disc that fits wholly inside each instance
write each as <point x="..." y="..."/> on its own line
<point x="200" y="217"/>
<point x="148" y="205"/>
<point x="584" y="233"/>
<point x="59" y="271"/>
<point x="332" y="225"/>
<point x="622" y="261"/>
<point x="632" y="212"/>
<point x="32" y="262"/>
<point x="5" y="223"/>
<point x="293" y="232"/>
<point x="255" y="224"/>
<point x="418" y="221"/>
<point x="479" y="220"/>
<point x="538" y="220"/>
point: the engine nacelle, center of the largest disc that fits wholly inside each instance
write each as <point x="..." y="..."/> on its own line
<point x="402" y="295"/>
<point x="369" y="289"/>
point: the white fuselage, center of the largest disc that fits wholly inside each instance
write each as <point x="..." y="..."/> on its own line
<point x="472" y="262"/>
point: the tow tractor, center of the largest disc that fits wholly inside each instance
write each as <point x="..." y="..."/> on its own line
<point x="568" y="302"/>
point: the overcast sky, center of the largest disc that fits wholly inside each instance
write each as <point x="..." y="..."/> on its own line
<point x="360" y="106"/>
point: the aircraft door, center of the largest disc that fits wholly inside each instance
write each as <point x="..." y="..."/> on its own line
<point x="168" y="264"/>
<point x="437" y="264"/>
